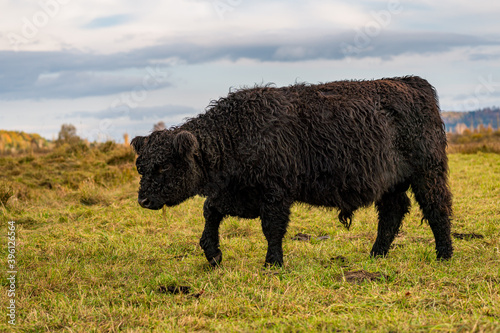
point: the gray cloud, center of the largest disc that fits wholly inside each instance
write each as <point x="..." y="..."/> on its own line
<point x="68" y="74"/>
<point x="78" y="84"/>
<point x="384" y="45"/>
<point x="139" y="113"/>
<point x="71" y="74"/>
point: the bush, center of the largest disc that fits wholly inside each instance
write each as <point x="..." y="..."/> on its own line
<point x="122" y="156"/>
<point x="67" y="134"/>
<point x="6" y="192"/>
<point x="107" y="146"/>
<point x="486" y="141"/>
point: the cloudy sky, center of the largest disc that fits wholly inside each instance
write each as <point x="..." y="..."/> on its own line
<point x="116" y="66"/>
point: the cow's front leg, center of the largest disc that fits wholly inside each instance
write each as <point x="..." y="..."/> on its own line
<point x="209" y="241"/>
<point x="274" y="224"/>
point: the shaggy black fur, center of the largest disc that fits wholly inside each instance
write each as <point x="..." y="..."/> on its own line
<point x="342" y="144"/>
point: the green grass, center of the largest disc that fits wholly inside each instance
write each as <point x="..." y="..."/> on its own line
<point x="91" y="260"/>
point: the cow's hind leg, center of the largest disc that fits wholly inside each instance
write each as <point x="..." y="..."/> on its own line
<point x="434" y="197"/>
<point x="274" y="224"/>
<point x="209" y="241"/>
<point x="392" y="208"/>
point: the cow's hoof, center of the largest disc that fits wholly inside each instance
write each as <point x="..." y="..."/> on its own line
<point x="443" y="256"/>
<point x="273" y="264"/>
<point x="378" y="254"/>
<point x="215" y="261"/>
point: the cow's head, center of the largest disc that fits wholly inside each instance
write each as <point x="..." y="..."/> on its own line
<point x="166" y="162"/>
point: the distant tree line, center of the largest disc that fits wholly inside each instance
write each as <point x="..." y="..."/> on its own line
<point x="17" y="141"/>
<point x="474" y="121"/>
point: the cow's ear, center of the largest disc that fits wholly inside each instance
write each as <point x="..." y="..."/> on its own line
<point x="185" y="144"/>
<point x="138" y="142"/>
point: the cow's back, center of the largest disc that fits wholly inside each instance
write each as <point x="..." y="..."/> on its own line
<point x="335" y="144"/>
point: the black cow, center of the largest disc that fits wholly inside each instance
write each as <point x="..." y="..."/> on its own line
<point x="342" y="144"/>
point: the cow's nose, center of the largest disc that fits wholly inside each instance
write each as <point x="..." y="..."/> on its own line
<point x="144" y="202"/>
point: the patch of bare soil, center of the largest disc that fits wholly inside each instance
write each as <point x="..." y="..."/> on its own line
<point x="301" y="237"/>
<point x="174" y="289"/>
<point x="305" y="237"/>
<point x="362" y="275"/>
<point x="179" y="290"/>
<point x="468" y="236"/>
<point x="340" y="260"/>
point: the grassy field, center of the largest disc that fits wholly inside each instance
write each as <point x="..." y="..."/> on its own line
<point x="89" y="259"/>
